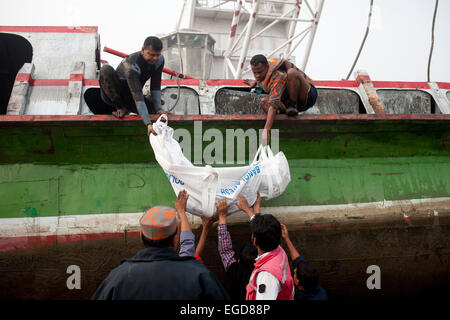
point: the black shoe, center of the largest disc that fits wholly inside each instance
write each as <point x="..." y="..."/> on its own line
<point x="291" y="112"/>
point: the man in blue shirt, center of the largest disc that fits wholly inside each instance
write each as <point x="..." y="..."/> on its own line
<point x="306" y="277"/>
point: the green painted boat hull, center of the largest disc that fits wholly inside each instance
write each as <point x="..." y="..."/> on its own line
<point x="63" y="168"/>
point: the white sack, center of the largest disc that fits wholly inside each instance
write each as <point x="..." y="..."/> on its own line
<point x="207" y="185"/>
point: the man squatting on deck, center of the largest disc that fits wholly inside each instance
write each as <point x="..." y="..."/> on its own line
<point x="290" y="89"/>
<point x="122" y="88"/>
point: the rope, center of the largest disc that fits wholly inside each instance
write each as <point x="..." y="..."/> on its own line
<point x="432" y="40"/>
<point x="364" y="40"/>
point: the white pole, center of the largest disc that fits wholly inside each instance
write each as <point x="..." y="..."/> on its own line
<point x="295" y="47"/>
<point x="177" y="28"/>
<point x="233" y="49"/>
<point x="230" y="65"/>
<point x="263" y="30"/>
<point x="312" y="34"/>
<point x="287" y="42"/>
<point x="234" y="25"/>
<point x="292" y="27"/>
<point x="281" y="46"/>
<point x="251" y="23"/>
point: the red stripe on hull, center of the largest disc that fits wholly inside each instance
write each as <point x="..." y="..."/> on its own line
<point x="400" y="85"/>
<point x="35" y="242"/>
<point x="444" y="85"/>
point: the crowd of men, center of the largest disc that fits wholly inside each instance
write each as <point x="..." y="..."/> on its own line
<point x="170" y="267"/>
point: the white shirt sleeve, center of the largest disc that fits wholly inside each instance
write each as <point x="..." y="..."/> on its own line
<point x="273" y="286"/>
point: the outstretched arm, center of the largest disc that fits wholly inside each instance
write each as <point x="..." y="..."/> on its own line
<point x="269" y="122"/>
<point x="187" y="238"/>
<point x="207" y="223"/>
<point x="278" y="84"/>
<point x="225" y="246"/>
<point x="257" y="204"/>
<point x="132" y="76"/>
<point x="243" y="205"/>
<point x="285" y="235"/>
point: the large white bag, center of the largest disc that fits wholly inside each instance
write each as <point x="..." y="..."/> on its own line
<point x="207" y="185"/>
<point x="275" y="172"/>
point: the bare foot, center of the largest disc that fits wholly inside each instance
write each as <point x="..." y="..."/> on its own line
<point x="120" y="113"/>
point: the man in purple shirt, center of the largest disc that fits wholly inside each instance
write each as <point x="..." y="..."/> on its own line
<point x="238" y="270"/>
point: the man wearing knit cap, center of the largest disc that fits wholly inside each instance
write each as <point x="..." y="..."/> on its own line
<point x="158" y="272"/>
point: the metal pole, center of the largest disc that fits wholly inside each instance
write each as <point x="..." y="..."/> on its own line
<point x="181" y="16"/>
<point x="233" y="49"/>
<point x="272" y="23"/>
<point x="263" y="30"/>
<point x="221" y="3"/>
<point x="115" y="52"/>
<point x="295" y="47"/>
<point x="363" y="41"/>
<point x="282" y="2"/>
<point x="251" y="23"/>
<point x="285" y="43"/>
<point x="234" y="24"/>
<point x="312" y="34"/>
<point x="309" y="8"/>
<point x="230" y="65"/>
<point x="165" y="70"/>
<point x="284" y="19"/>
<point x="292" y="27"/>
<point x="432" y="40"/>
<point x="288" y="41"/>
<point x="204" y="58"/>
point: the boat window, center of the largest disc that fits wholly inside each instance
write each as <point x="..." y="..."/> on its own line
<point x="406" y="101"/>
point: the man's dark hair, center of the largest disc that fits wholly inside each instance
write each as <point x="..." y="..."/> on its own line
<point x="308" y="275"/>
<point x="162" y="243"/>
<point x="154" y="42"/>
<point x="259" y="58"/>
<point x="267" y="231"/>
<point x="248" y="254"/>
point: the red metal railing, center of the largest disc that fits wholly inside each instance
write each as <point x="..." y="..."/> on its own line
<point x="165" y="70"/>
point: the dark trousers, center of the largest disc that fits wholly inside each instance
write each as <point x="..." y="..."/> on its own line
<point x="310" y="101"/>
<point x="114" y="93"/>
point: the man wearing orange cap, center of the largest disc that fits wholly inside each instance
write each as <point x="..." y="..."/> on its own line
<point x="158" y="272"/>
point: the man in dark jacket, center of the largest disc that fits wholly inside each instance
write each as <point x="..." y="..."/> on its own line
<point x="121" y="89"/>
<point x="158" y="272"/>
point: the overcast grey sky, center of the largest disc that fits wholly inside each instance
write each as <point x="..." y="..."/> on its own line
<point x="396" y="49"/>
